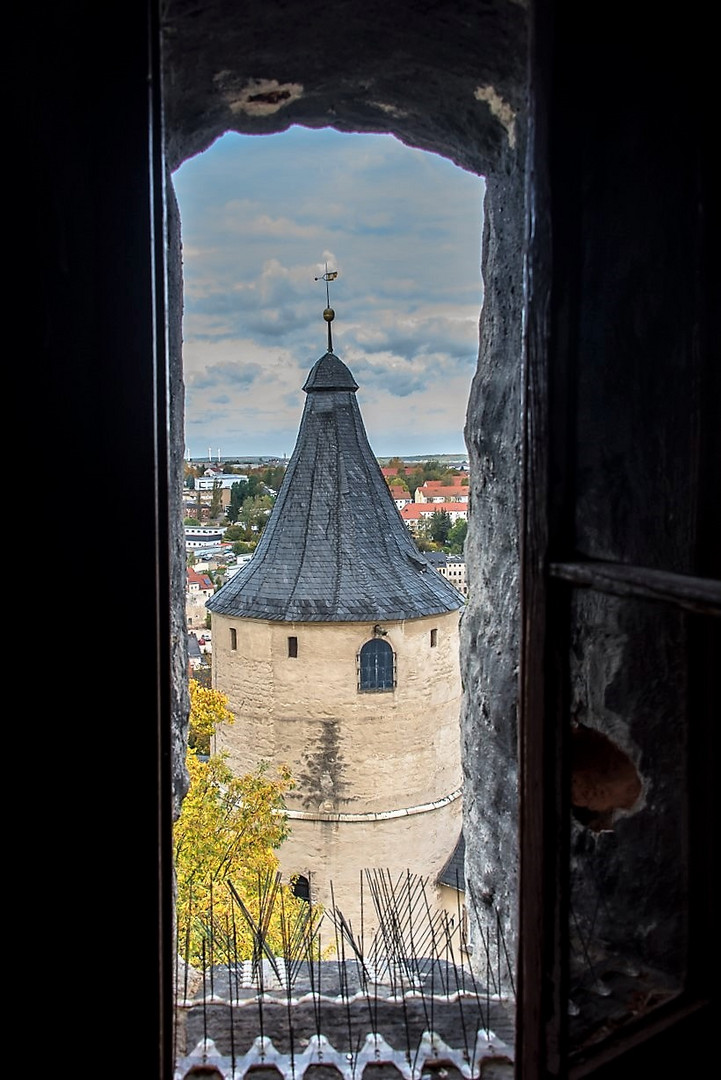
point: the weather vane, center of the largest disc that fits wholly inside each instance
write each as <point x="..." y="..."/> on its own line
<point x="328" y="314"/>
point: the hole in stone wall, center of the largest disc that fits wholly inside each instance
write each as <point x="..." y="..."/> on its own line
<point x="604" y="780"/>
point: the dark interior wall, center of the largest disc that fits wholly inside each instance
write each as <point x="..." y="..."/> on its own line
<point x="89" y="295"/>
<point x="621" y="266"/>
<point x="407" y="68"/>
<point x="640" y="419"/>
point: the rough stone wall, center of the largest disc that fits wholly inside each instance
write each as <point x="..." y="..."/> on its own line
<point x="628" y="857"/>
<point x="490" y="632"/>
<point x="177" y="556"/>
<point x="449" y="77"/>
<point x="338" y="852"/>
<point x="348" y="751"/>
<point x="356" y="757"/>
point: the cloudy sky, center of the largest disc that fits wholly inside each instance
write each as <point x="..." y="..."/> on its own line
<point x="261" y="217"/>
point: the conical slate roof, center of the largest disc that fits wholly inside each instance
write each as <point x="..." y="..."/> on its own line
<point x="335" y="548"/>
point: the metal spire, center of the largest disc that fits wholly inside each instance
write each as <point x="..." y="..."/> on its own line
<point x="328" y="314"/>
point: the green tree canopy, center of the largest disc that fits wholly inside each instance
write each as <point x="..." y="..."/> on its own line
<point x="255" y="512"/>
<point x="272" y="476"/>
<point x="397" y="463"/>
<point x="234" y="532"/>
<point x="244" y="547"/>
<point x="241" y="492"/>
<point x="216" y="500"/>
<point x="457" y="536"/>
<point x="440" y="526"/>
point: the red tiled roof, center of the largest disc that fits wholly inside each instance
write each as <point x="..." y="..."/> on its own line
<point x="446" y="491"/>
<point x="412" y="511"/>
<point x="194" y="578"/>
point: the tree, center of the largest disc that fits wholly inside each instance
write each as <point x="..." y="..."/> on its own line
<point x="216" y="499"/>
<point x="440" y="526"/>
<point x="255" y="512"/>
<point x="255" y="485"/>
<point x="398" y="464"/>
<point x="272" y="477"/>
<point x="234" y="532"/>
<point x="422" y="542"/>
<point x="225" y="843"/>
<point x="457" y="536"/>
<point x="238" y="492"/>
<point x="244" y="547"/>
<point x="433" y="470"/>
<point x="208" y="710"/>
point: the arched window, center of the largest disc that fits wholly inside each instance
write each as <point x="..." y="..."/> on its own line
<point x="300" y="887"/>
<point x="376" y="666"/>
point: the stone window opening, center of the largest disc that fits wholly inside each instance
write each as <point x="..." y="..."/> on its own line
<point x="376" y="661"/>
<point x="300" y="885"/>
<point x="376" y="667"/>
<point x="233" y="639"/>
<point x="292" y="647"/>
<point x="434" y="638"/>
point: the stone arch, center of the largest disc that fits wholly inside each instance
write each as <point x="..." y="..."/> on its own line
<point x="451" y="81"/>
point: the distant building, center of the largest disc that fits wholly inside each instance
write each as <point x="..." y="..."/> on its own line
<point x="203" y="537"/>
<point x="416" y="513"/>
<point x="198" y="590"/>
<point x="451" y="567"/>
<point x="240" y="562"/>
<point x="439" y="491"/>
<point x="401" y="496"/>
<point x="198" y="513"/>
<point x="195" y="657"/>
<point x="225" y="480"/>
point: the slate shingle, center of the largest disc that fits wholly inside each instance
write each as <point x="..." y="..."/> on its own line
<point x="453" y="873"/>
<point x="335" y="548"/>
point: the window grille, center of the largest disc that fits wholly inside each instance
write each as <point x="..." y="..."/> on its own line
<point x="376" y="666"/>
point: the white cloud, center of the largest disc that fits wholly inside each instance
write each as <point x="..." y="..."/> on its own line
<point x="262" y="217"/>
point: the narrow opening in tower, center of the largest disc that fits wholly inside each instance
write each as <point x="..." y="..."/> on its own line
<point x="283" y="236"/>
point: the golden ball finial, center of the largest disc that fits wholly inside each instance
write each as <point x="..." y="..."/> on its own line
<point x="329" y="314"/>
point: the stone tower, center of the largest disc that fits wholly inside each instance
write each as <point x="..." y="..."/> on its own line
<point x="337" y="647"/>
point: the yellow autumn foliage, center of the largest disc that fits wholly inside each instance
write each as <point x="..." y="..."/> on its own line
<point x="225" y="844"/>
<point x="208" y="710"/>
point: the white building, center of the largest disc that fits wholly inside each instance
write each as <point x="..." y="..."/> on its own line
<point x="224" y="480"/>
<point x="203" y="537"/>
